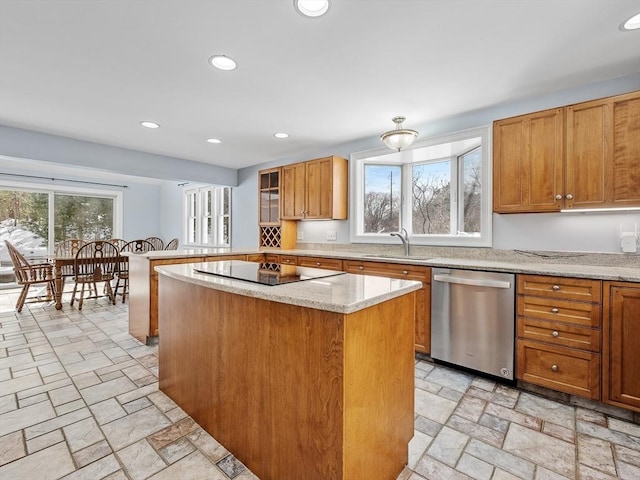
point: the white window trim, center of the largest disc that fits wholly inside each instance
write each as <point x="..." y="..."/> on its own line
<point x="200" y="189"/>
<point x="384" y="156"/>
<point x="117" y="196"/>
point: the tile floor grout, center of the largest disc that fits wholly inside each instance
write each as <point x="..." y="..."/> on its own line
<point x="79" y="400"/>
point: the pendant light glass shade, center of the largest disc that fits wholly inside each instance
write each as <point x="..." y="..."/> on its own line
<point x="400" y="137"/>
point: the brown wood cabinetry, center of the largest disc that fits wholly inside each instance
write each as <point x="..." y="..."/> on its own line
<point x="585" y="155"/>
<point x="421" y="273"/>
<point x="315" y="190"/>
<point x="603" y="153"/>
<point x="558" y="333"/>
<point x="143" y="287"/>
<point x="621" y="345"/>
<point x="320" y="262"/>
<point x="300" y="394"/>
<point x="528" y="155"/>
<point x="274" y="232"/>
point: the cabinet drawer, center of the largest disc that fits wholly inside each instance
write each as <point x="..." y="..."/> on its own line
<point x="578" y="313"/>
<point x="320" y="262"/>
<point x="256" y="257"/>
<point x="288" y="260"/>
<point x="392" y="270"/>
<point x="220" y="258"/>
<point x="561" y="334"/>
<point x="563" y="369"/>
<point x="272" y="258"/>
<point x="579" y="289"/>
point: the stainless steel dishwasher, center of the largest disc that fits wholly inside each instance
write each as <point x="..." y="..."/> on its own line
<point x="472" y="320"/>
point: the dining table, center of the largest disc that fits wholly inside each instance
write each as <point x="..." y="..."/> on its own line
<point x="63" y="268"/>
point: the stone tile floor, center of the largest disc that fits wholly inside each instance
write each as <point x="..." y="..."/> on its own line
<point x="79" y="399"/>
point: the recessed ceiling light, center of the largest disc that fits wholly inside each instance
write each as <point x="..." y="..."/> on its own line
<point x="214" y="140"/>
<point x="633" y="23"/>
<point x="311" y="8"/>
<point x="150" y="124"/>
<point x="223" y="62"/>
<point x="281" y="135"/>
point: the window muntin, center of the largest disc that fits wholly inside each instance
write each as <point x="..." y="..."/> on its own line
<point x="444" y="192"/>
<point x="208" y="216"/>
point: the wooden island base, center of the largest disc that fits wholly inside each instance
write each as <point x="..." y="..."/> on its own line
<point x="293" y="392"/>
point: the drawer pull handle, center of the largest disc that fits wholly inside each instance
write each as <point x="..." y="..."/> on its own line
<point x="405" y="272"/>
<point x="361" y="267"/>
<point x="554" y="368"/>
<point x="318" y="263"/>
<point x="555" y="288"/>
<point x="555" y="334"/>
<point x="554" y="310"/>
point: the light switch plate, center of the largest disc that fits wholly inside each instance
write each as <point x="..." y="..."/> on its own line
<point x="300" y="236"/>
<point x="332" y="235"/>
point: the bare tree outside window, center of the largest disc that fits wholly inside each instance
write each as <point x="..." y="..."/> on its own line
<point x="381" y="198"/>
<point x="431" y="206"/>
<point x="471" y="166"/>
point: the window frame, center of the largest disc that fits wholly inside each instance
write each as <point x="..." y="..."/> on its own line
<point x="215" y="213"/>
<point x="116" y="195"/>
<point x="405" y="158"/>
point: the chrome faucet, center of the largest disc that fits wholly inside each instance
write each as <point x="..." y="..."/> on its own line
<point x="404" y="238"/>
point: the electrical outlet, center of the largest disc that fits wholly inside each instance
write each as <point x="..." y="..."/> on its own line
<point x="332" y="236"/>
<point x="300" y="235"/>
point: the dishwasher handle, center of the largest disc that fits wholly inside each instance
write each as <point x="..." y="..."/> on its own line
<point x="476" y="282"/>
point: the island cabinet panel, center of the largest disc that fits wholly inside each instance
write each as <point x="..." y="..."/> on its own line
<point x="293" y="392"/>
<point x="143" y="291"/>
<point x="621" y="345"/>
<point x="420" y="273"/>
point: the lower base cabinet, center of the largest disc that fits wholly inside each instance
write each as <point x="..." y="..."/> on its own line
<point x="621" y="345"/>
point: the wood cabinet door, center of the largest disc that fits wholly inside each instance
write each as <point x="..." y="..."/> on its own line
<point x="621" y="352"/>
<point x="319" y="183"/>
<point x="293" y="192"/>
<point x="528" y="161"/>
<point x="603" y="153"/>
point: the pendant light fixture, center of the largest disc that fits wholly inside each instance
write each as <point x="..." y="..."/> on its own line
<point x="400" y="137"/>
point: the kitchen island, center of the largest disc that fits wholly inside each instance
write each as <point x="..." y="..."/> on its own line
<point x="312" y="379"/>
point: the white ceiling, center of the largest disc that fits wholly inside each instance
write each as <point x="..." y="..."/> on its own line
<point x="93" y="69"/>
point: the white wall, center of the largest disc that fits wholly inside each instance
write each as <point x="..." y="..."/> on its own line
<point x="564" y="232"/>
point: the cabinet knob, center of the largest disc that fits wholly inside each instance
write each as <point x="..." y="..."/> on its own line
<point x="287" y="260"/>
<point x="554" y="310"/>
<point x="555" y="288"/>
<point x="405" y="272"/>
<point x="558" y="197"/>
<point x="554" y="368"/>
<point x="361" y="267"/>
<point x="569" y="196"/>
<point x="555" y="334"/>
<point x="318" y="264"/>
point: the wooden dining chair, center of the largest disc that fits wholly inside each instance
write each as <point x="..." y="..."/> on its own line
<point x="28" y="274"/>
<point x="67" y="248"/>
<point x="157" y="242"/>
<point x="172" y="245"/>
<point x="118" y="242"/>
<point x="134" y="246"/>
<point x="95" y="262"/>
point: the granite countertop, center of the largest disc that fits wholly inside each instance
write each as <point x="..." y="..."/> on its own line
<point x="344" y="293"/>
<point x="616" y="267"/>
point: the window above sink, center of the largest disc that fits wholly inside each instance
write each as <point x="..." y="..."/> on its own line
<point x="439" y="190"/>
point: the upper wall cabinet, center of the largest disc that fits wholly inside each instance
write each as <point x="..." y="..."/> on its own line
<point x="581" y="156"/>
<point x="315" y="190"/>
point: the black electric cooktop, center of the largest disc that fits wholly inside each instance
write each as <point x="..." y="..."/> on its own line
<point x="263" y="273"/>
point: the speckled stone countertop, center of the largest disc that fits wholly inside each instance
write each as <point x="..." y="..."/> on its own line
<point x="599" y="266"/>
<point x="344" y="293"/>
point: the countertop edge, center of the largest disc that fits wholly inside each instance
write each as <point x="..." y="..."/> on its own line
<point x="293" y="295"/>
